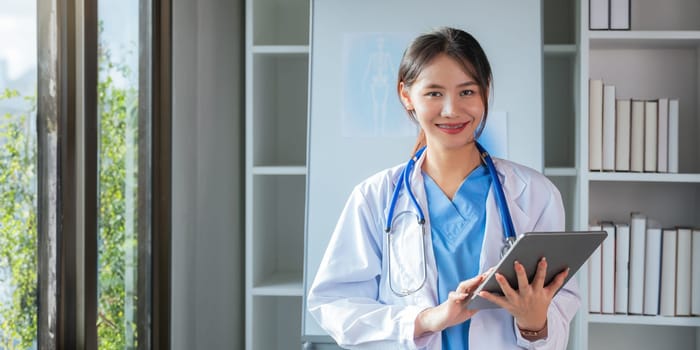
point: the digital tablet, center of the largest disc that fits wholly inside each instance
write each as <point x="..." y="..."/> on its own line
<point x="561" y="249"/>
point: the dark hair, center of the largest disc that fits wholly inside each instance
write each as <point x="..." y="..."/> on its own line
<point x="459" y="45"/>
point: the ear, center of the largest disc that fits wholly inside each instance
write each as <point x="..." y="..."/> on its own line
<point x="405" y="97"/>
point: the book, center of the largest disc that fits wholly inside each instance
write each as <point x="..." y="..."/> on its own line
<point x="695" y="278"/>
<point x="620" y="14"/>
<point x="683" y="272"/>
<point x="622" y="261"/>
<point x="667" y="300"/>
<point x="599" y="16"/>
<point x="637" y="137"/>
<point x="608" y="127"/>
<point x="673" y="136"/>
<point x="595" y="124"/>
<point x="638" y="228"/>
<point x="662" y="152"/>
<point x="651" y="121"/>
<point x="608" y="269"/>
<point x="595" y="277"/>
<point x="652" y="271"/>
<point x="622" y="135"/>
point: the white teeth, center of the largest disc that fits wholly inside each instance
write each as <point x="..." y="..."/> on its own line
<point x="453" y="126"/>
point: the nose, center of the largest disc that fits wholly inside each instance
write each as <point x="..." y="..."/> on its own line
<point x="448" y="108"/>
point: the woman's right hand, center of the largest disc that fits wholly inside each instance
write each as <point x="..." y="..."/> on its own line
<point x="451" y="312"/>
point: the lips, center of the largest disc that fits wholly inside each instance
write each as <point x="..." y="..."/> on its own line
<point x="452" y="128"/>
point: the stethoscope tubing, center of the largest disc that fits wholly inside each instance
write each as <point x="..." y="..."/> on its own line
<point x="504" y="211"/>
<point x="404" y="180"/>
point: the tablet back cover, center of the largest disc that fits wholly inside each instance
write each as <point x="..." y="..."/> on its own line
<point x="561" y="249"/>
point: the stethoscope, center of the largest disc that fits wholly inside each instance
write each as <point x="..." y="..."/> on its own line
<point x="506" y="221"/>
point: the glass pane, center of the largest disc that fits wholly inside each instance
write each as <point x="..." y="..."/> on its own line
<point x="118" y="221"/>
<point x="18" y="180"/>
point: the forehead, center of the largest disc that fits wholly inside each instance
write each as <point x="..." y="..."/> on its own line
<point x="444" y="67"/>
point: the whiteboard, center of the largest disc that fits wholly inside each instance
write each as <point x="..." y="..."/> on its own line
<point x="356" y="126"/>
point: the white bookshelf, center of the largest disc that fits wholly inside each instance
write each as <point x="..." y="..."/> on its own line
<point x="658" y="57"/>
<point x="277" y="51"/>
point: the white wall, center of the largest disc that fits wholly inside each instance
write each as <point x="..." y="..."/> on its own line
<point x="208" y="193"/>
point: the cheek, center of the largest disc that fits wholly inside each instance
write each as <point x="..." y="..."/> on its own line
<point x="476" y="111"/>
<point x="475" y="108"/>
<point x="427" y="109"/>
<point x="426" y="114"/>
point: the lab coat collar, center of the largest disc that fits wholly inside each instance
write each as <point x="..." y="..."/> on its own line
<point x="513" y="188"/>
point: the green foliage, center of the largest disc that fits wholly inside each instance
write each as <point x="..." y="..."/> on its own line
<point x="116" y="234"/>
<point x="117" y="239"/>
<point x="18" y="230"/>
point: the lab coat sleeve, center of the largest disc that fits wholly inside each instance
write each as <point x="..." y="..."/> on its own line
<point x="567" y="301"/>
<point x="344" y="295"/>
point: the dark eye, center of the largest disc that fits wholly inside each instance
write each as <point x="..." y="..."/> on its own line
<point x="466" y="93"/>
<point x="433" y="94"/>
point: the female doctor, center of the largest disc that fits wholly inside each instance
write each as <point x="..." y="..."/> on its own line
<point x="414" y="241"/>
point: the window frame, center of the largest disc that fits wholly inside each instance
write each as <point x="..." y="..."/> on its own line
<point x="68" y="131"/>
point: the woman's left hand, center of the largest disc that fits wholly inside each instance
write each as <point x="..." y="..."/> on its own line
<point x="528" y="304"/>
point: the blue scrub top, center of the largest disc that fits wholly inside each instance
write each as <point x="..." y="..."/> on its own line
<point x="457" y="231"/>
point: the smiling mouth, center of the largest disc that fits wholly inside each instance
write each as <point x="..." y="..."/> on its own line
<point x="452" y="126"/>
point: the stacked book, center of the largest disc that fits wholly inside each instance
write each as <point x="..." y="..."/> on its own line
<point x="642" y="269"/>
<point x="609" y="15"/>
<point x="630" y="134"/>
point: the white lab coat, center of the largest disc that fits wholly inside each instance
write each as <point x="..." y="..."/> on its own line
<point x="350" y="297"/>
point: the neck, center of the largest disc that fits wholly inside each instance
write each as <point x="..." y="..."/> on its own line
<point x="449" y="167"/>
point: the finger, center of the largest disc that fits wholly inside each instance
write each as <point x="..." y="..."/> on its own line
<point x="457" y="297"/>
<point x="469" y="285"/>
<point x="538" y="281"/>
<point x="558" y="281"/>
<point x="521" y="274"/>
<point x="507" y="290"/>
<point x="496" y="299"/>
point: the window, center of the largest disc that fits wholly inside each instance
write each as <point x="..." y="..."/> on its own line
<point x="103" y="82"/>
<point x="18" y="181"/>
<point x="119" y="169"/>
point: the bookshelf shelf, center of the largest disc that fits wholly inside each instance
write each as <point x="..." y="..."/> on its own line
<point x="557" y="171"/>
<point x="637" y="39"/>
<point x="644" y="177"/>
<point x="281" y="49"/>
<point x="279" y="170"/>
<point x="280" y="284"/>
<point x="560" y="50"/>
<point x="693" y="321"/>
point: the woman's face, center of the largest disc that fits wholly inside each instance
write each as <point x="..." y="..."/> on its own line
<point x="447" y="103"/>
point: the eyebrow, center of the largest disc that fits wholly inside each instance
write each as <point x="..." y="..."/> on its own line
<point x="438" y="86"/>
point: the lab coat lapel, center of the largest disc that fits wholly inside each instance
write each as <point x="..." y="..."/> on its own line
<point x="418" y="187"/>
<point x="513" y="188"/>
